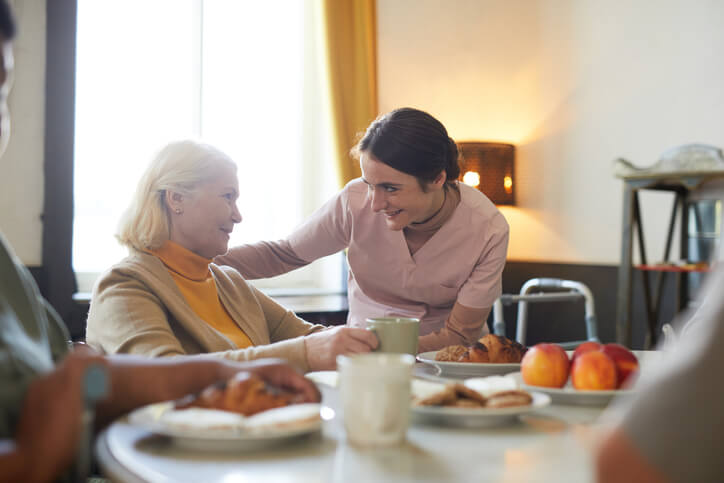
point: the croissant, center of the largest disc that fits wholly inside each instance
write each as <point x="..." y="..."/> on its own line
<point x="244" y="393"/>
<point x="502" y="349"/>
<point x="489" y="348"/>
<point x="479" y="352"/>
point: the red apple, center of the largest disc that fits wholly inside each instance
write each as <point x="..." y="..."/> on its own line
<point x="545" y="365"/>
<point x="594" y="371"/>
<point x="585" y="347"/>
<point x="626" y="362"/>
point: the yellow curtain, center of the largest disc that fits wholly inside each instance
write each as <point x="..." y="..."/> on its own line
<point x="351" y="47"/>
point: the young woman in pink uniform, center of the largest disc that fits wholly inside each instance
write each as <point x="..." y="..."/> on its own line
<point x="419" y="243"/>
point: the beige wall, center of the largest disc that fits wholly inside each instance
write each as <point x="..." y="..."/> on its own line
<point x="21" y="181"/>
<point x="573" y="84"/>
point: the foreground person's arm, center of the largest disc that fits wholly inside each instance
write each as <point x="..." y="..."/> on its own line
<point x="136" y="381"/>
<point x="49" y="425"/>
<point x="464" y="326"/>
<point x="674" y="420"/>
<point x="619" y="461"/>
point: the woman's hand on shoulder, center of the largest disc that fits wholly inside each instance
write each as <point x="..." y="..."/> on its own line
<point x="324" y="347"/>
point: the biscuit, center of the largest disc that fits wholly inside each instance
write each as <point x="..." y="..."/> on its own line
<point x="467" y="403"/>
<point x="506" y="399"/>
<point x="464" y="392"/>
<point x="442" y="398"/>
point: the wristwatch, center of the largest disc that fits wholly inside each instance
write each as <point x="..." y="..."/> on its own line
<point x="95" y="388"/>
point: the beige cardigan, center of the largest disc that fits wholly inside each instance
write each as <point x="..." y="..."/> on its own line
<point x="137" y="308"/>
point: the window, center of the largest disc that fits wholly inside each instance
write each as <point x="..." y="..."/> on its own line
<point x="243" y="76"/>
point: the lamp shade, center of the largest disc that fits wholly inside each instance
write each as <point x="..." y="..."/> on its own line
<point x="489" y="167"/>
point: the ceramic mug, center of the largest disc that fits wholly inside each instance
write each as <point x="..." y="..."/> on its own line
<point x="375" y="394"/>
<point x="396" y="335"/>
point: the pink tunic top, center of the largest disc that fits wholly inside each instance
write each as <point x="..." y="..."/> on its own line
<point x="463" y="261"/>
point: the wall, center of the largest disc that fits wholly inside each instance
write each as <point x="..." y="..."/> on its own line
<point x="21" y="183"/>
<point x="573" y="84"/>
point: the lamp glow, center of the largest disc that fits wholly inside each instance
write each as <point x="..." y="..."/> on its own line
<point x="490" y="168"/>
<point x="508" y="184"/>
<point x="471" y="178"/>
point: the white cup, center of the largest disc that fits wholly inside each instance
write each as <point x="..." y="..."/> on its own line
<point x="375" y="393"/>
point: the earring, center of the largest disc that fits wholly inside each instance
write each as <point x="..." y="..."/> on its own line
<point x="178" y="211"/>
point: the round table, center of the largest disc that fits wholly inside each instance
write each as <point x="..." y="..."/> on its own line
<point x="550" y="444"/>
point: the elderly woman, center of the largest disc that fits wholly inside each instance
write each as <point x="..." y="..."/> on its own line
<point x="168" y="298"/>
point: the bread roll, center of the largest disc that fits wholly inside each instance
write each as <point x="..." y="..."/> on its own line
<point x="451" y="353"/>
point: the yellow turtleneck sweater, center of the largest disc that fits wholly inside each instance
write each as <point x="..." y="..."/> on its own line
<point x="193" y="278"/>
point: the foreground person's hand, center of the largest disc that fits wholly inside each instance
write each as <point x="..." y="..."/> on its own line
<point x="324" y="347"/>
<point x="278" y="373"/>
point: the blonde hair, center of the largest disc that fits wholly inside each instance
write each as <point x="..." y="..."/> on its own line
<point x="180" y="167"/>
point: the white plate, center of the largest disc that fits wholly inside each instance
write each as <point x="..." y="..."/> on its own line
<point x="570" y="396"/>
<point x="232" y="438"/>
<point x="466" y="369"/>
<point x="476" y="417"/>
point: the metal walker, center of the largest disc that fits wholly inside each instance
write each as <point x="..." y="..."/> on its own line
<point x="566" y="290"/>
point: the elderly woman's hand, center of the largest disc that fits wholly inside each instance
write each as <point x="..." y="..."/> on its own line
<point x="324" y="347"/>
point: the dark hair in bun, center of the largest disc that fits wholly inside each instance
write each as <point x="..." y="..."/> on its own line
<point x="411" y="141"/>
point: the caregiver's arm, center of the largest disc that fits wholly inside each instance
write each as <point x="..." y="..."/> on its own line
<point x="325" y="232"/>
<point x="262" y="259"/>
<point x="463" y="326"/>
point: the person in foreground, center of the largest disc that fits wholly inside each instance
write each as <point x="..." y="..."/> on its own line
<point x="167" y="298"/>
<point x="672" y="429"/>
<point x="41" y="384"/>
<point x="419" y="243"/>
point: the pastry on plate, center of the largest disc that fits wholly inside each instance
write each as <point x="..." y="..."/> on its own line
<point x="506" y="399"/>
<point x="461" y="396"/>
<point x="244" y="393"/>
<point x="490" y="348"/>
<point x="502" y="349"/>
<point x="443" y="397"/>
<point x="451" y="353"/>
